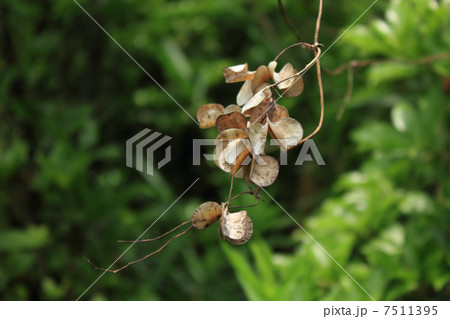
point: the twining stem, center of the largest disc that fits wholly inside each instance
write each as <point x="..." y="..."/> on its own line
<point x="319" y="75"/>
<point x="319" y="17"/>
<point x="156" y="238"/>
<point x="145" y="257"/>
<point x="309" y="46"/>
<point x="231" y="189"/>
<point x="288" y="22"/>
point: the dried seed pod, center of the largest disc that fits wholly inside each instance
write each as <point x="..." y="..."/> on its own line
<point x="232" y="108"/>
<point x="292" y="86"/>
<point x="231" y="120"/>
<point x="277" y="113"/>
<point x="230" y="155"/>
<point x="271" y="66"/>
<point x="286" y="132"/>
<point x="258" y="114"/>
<point x="208" y="113"/>
<point x="237" y="73"/>
<point x="258" y="137"/>
<point x="245" y="93"/>
<point x="265" y="171"/>
<point x="256" y="100"/>
<point x="262" y="75"/>
<point x="236" y="228"/>
<point x="230" y="134"/>
<point x="206" y="214"/>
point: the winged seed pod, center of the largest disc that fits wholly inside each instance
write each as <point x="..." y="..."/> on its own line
<point x="208" y="113"/>
<point x="264" y="171"/>
<point x="206" y="214"/>
<point x="236" y="228"/>
<point x="291" y="85"/>
<point x="237" y="73"/>
<point x="231" y="120"/>
<point x="286" y="132"/>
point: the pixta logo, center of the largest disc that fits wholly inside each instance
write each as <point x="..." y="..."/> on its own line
<point x="137" y="144"/>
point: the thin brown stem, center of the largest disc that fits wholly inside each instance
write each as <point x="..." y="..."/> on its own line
<point x="288" y="22"/>
<point x="156" y="238"/>
<point x="319" y="17"/>
<point x="139" y="260"/>
<point x="348" y="93"/>
<point x="322" y="105"/>
<point x="358" y="64"/>
<point x="309" y="46"/>
<point x="231" y="189"/>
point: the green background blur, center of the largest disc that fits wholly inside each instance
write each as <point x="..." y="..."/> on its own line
<point x="70" y="98"/>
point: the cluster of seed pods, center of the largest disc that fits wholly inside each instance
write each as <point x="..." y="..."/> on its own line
<point x="236" y="228"/>
<point x="241" y="142"/>
<point x="243" y="127"/>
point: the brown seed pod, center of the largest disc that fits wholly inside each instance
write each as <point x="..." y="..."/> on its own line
<point x="236" y="228"/>
<point x="230" y="134"/>
<point x="261" y="96"/>
<point x="208" y="113"/>
<point x="231" y="120"/>
<point x="245" y="93"/>
<point x="237" y="73"/>
<point x="286" y="132"/>
<point x="229" y="155"/>
<point x="262" y="75"/>
<point x="277" y="113"/>
<point x="258" y="137"/>
<point x="206" y="214"/>
<point x="232" y="108"/>
<point x="265" y="171"/>
<point x="291" y="87"/>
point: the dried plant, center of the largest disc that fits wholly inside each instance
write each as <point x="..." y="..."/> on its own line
<point x="243" y="131"/>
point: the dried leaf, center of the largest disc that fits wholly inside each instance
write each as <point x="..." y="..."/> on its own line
<point x="232" y="108"/>
<point x="231" y="120"/>
<point x="265" y="171"/>
<point x="237" y="73"/>
<point x="278" y="112"/>
<point x="258" y="137"/>
<point x="206" y="214"/>
<point x="245" y="93"/>
<point x="208" y="113"/>
<point x="262" y="75"/>
<point x="286" y="132"/>
<point x="236" y="228"/>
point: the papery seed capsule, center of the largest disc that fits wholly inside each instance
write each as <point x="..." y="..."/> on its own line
<point x="206" y="214"/>
<point x="236" y="228"/>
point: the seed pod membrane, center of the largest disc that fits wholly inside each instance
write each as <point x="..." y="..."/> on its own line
<point x="245" y="93"/>
<point x="262" y="75"/>
<point x="236" y="228"/>
<point x="232" y="108"/>
<point x="237" y="73"/>
<point x="277" y="113"/>
<point x="231" y="120"/>
<point x="265" y="171"/>
<point x="206" y="214"/>
<point x="208" y="113"/>
<point x="286" y="132"/>
<point x="292" y="86"/>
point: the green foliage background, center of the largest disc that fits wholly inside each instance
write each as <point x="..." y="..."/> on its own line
<point x="70" y="97"/>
